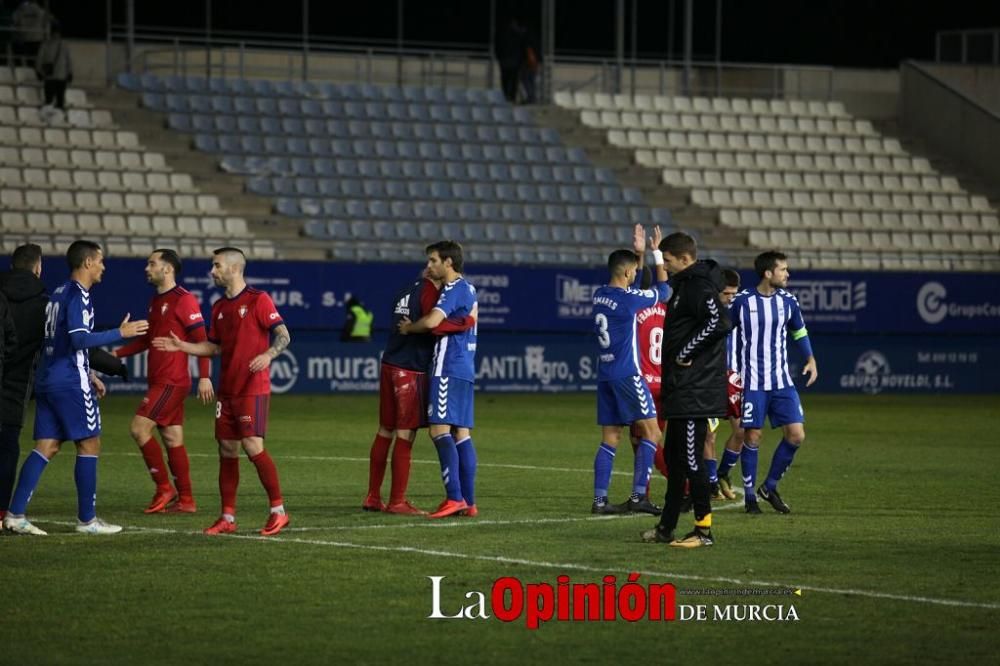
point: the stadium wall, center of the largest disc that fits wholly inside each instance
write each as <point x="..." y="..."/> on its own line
<point x="873" y="332"/>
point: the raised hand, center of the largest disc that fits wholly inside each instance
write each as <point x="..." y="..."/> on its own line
<point x="639" y="239"/>
<point x="654" y="242"/>
<point x="130" y="329"/>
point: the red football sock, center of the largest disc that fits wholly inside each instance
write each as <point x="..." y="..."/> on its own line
<point x="659" y="462"/>
<point x="154" y="463"/>
<point x="402" y="454"/>
<point x="229" y="481"/>
<point x="268" y="474"/>
<point x="377" y="459"/>
<point x="180" y="467"/>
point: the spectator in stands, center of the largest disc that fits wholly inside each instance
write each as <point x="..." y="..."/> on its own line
<point x="29" y="22"/>
<point x="510" y="51"/>
<point x="55" y="69"/>
<point x="530" y="68"/>
<point x="358" y="325"/>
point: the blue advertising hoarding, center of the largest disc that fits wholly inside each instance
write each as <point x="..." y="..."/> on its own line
<point x="311" y="295"/>
<point x="862" y="364"/>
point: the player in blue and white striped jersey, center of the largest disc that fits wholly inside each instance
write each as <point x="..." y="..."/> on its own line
<point x="764" y="317"/>
<point x="623" y="397"/>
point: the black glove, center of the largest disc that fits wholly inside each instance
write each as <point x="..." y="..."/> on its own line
<point x="107" y="364"/>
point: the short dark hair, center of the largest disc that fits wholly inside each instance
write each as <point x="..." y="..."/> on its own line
<point x="170" y="257"/>
<point x="766" y="261"/>
<point x="448" y="249"/>
<point x="26" y="256"/>
<point x="646" y="281"/>
<point x="731" y="277"/>
<point x="619" y="260"/>
<point x="79" y="251"/>
<point x="679" y="243"/>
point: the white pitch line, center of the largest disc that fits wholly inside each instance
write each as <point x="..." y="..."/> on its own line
<point x="589" y="568"/>
<point x="280" y="457"/>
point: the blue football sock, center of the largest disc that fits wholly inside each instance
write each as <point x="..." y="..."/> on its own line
<point x="85" y="474"/>
<point x="748" y="461"/>
<point x="729" y="460"/>
<point x="643" y="466"/>
<point x="604" y="462"/>
<point x="780" y="462"/>
<point x="467" y="469"/>
<point x="448" y="455"/>
<point x="713" y="470"/>
<point x="31" y="471"/>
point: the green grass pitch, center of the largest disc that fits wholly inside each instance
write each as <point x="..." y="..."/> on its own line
<point x="894" y="541"/>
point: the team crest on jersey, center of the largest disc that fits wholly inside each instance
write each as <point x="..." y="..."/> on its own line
<point x="163" y="309"/>
<point x="243" y="311"/>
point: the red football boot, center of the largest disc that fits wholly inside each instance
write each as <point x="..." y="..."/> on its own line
<point x="449" y="507"/>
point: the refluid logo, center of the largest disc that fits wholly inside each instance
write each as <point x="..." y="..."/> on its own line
<point x="839" y="296"/>
<point x="930" y="302"/>
<point x="284" y="372"/>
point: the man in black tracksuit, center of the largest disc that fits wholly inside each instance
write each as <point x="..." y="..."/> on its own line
<point x="26" y="297"/>
<point x="694" y="385"/>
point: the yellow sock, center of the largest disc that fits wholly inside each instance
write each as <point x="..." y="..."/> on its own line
<point x="705" y="522"/>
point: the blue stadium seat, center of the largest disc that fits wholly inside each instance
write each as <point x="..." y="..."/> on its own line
<point x="267" y="105"/>
<point x="462" y="190"/>
<point x="293" y="125"/>
<point x="356" y="208"/>
<point x="361" y="229"/>
<point x="209" y="144"/>
<point x="461" y="114"/>
<point x="226" y="124"/>
<point x="334" y="108"/>
<point x="287" y="207"/>
<point x="484" y="191"/>
<point x="338" y="229"/>
<point x="287" y="107"/>
<point x="402" y="210"/>
<point x="306" y="187"/>
<point x="334" y="209"/>
<point x="155" y="101"/>
<point x="631" y="195"/>
<point x="615" y="195"/>
<point x="436" y="170"/>
<point x="129" y="81"/>
<point x="662" y="217"/>
<point x="245" y="105"/>
<point x="223" y="104"/>
<point x="499" y="172"/>
<point x="315" y="229"/>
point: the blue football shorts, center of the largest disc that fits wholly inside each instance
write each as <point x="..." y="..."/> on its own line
<point x="624" y="401"/>
<point x="67" y="415"/>
<point x="450" y="402"/>
<point x="781" y="407"/>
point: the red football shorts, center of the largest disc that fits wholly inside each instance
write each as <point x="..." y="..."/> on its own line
<point x="735" y="395"/>
<point x="240" y="417"/>
<point x="164" y="405"/>
<point x="402" y="398"/>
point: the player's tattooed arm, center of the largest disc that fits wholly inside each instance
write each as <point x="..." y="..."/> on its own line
<point x="281" y="340"/>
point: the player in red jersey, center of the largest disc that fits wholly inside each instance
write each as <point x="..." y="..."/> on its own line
<point x="242" y="324"/>
<point x="649" y="339"/>
<point x="173" y="310"/>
